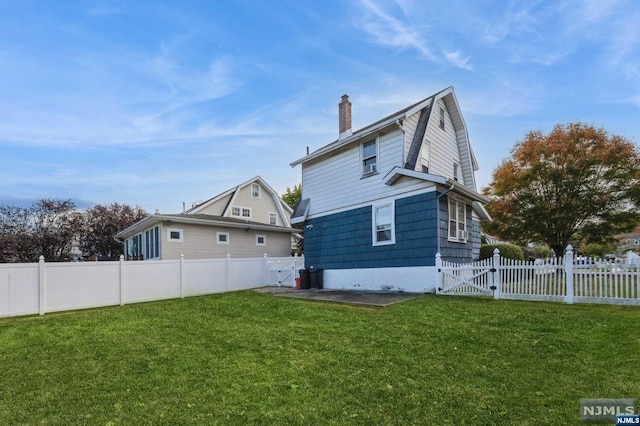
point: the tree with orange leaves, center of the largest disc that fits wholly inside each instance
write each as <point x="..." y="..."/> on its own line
<point x="577" y="182"/>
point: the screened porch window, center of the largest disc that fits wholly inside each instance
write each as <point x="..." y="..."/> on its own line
<point x="152" y="243"/>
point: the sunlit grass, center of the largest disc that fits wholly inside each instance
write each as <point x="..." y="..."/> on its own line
<point x="249" y="358"/>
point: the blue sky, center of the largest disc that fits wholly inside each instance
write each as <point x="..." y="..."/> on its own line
<point x="155" y="103"/>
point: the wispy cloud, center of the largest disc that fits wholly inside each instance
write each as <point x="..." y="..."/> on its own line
<point x="390" y="31"/>
<point x="396" y="32"/>
<point x="503" y="99"/>
<point x="103" y="9"/>
<point x="458" y="60"/>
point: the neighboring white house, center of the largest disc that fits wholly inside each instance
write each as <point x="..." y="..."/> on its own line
<point x="248" y="220"/>
<point x="630" y="241"/>
<point x="379" y="203"/>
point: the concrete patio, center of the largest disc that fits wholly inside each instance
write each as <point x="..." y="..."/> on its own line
<point x="355" y="297"/>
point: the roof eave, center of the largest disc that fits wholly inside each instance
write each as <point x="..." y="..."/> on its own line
<point x="153" y="219"/>
<point x="398" y="172"/>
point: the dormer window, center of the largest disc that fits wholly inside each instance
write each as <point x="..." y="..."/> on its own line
<point x="242" y="212"/>
<point x="442" y="118"/>
<point x="369" y="158"/>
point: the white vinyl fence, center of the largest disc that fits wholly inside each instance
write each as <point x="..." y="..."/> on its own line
<point x="564" y="279"/>
<point x="37" y="288"/>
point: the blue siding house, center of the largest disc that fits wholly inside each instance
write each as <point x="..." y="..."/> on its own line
<point x="379" y="203"/>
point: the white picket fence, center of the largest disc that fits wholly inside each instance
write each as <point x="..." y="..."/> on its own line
<point x="37" y="288"/>
<point x="566" y="279"/>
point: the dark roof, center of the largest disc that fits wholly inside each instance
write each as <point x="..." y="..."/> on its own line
<point x="212" y="218"/>
<point x="301" y="210"/>
<point x="418" y="136"/>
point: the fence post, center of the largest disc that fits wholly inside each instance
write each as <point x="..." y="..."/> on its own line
<point x="439" y="275"/>
<point x="121" y="262"/>
<point x="182" y="276"/>
<point x="41" y="285"/>
<point x="294" y="270"/>
<point x="265" y="270"/>
<point x="568" y="268"/>
<point x="638" y="281"/>
<point x="496" y="274"/>
<point x="228" y="272"/>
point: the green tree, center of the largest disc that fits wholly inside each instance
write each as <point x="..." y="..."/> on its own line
<point x="292" y="196"/>
<point x="576" y="180"/>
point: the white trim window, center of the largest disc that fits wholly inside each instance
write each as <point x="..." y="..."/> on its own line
<point x="261" y="240"/>
<point x="152" y="243"/>
<point x="369" y="153"/>
<point x="442" y="115"/>
<point x="458" y="221"/>
<point x="383" y="221"/>
<point x="273" y="218"/>
<point x="175" y="235"/>
<point x="242" y="212"/>
<point x="456" y="171"/>
<point x="222" y="237"/>
<point x="255" y="190"/>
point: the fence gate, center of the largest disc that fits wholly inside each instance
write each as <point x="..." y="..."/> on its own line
<point x="284" y="273"/>
<point x="476" y="278"/>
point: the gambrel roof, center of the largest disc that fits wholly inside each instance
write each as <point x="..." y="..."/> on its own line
<point x="283" y="209"/>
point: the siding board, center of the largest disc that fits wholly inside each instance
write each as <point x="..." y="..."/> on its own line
<point x="344" y="240"/>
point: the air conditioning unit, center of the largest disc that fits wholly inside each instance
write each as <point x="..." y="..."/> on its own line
<point x="369" y="169"/>
<point x="463" y="235"/>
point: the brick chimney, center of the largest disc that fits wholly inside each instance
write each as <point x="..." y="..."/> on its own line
<point x="344" y="117"/>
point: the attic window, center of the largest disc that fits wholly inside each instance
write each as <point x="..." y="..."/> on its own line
<point x="442" y="118"/>
<point x="255" y="190"/>
<point x="273" y="218"/>
<point x="369" y="158"/>
<point x="456" y="170"/>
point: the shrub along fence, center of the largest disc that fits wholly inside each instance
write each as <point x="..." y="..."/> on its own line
<point x="37" y="288"/>
<point x="567" y="278"/>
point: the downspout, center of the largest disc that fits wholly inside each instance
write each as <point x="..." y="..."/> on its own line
<point x="438" y="217"/>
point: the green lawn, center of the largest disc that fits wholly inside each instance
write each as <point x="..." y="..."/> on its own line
<point x="249" y="358"/>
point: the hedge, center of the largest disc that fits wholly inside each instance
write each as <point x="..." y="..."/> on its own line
<point x="510" y="251"/>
